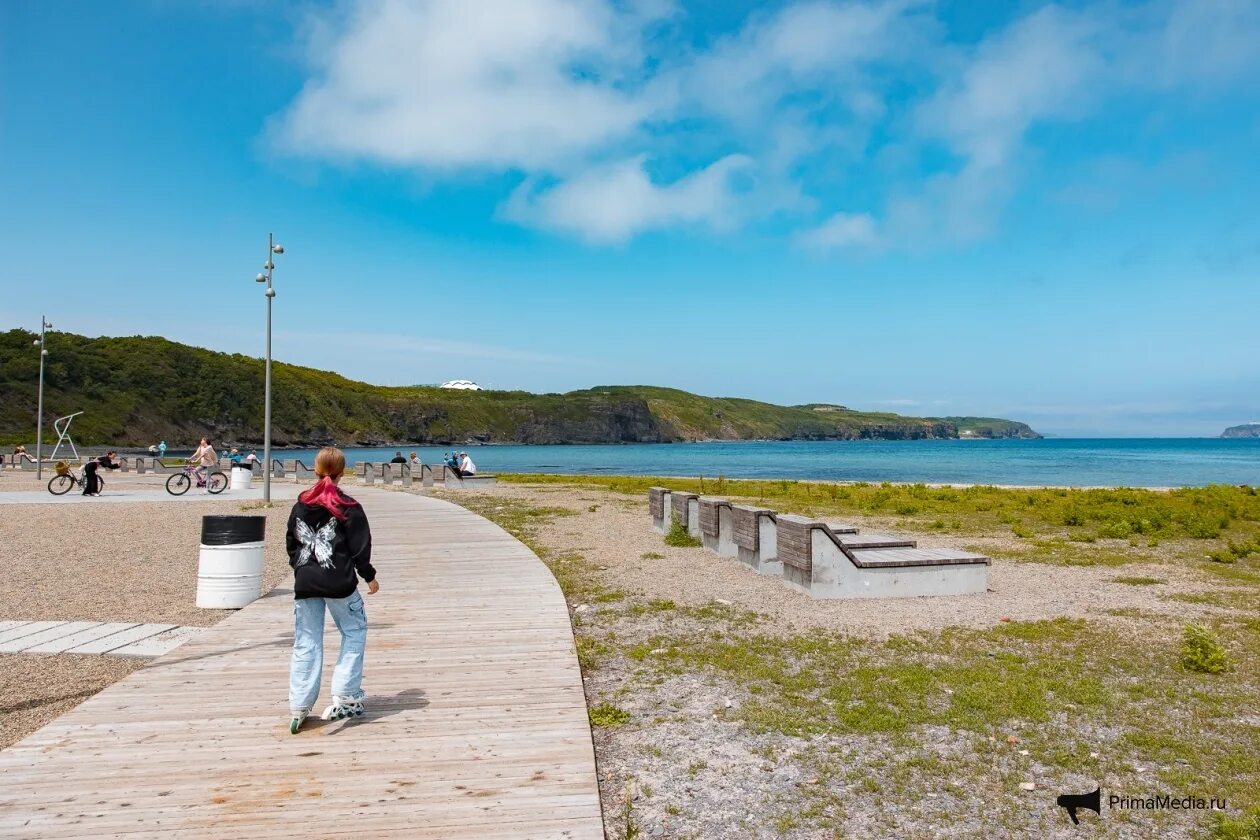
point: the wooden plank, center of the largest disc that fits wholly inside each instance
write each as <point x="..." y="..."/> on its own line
<point x="656" y="502"/>
<point x="476" y="725"/>
<point x="65" y="628"/>
<point x="871" y="540"/>
<point x="680" y="502"/>
<point x="120" y="639"/>
<point x="28" y="628"/>
<point x="796" y="541"/>
<point x="709" y="507"/>
<point x="746" y="526"/>
<point x="6" y="626"/>
<point x="158" y="644"/>
<point x="91" y="634"/>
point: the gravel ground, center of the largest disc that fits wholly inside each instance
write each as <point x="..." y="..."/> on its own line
<point x="685" y="765"/>
<point x="115" y="562"/>
<point x="36" y="689"/>
<point x="119" y="562"/>
<point x="618" y="534"/>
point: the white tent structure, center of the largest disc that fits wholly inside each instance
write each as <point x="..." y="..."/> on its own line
<point x="461" y="385"/>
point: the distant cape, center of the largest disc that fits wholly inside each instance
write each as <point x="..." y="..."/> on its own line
<point x="1246" y="430"/>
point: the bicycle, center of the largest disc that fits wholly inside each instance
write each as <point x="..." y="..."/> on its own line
<point x="66" y="479"/>
<point x="215" y="481"/>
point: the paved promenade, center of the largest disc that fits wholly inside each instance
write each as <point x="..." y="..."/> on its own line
<point x="476" y="725"/>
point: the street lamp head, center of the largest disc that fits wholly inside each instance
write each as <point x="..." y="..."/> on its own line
<point x="269" y="265"/>
<point x="261" y="278"/>
<point x="270" y="293"/>
<point x="279" y="249"/>
<point x="43" y="352"/>
<point x="36" y="342"/>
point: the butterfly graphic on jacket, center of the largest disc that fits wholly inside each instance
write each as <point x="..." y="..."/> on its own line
<point x="317" y="542"/>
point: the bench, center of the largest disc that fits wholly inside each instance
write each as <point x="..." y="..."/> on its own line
<point x="467" y="482"/>
<point x="302" y="473"/>
<point x="756" y="538"/>
<point x="716" y="527"/>
<point x="686" y="511"/>
<point x="817" y="562"/>
<point x="659" y="505"/>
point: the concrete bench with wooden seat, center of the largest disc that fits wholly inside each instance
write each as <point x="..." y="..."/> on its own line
<point x="686" y="511"/>
<point x="756" y="540"/>
<point x="659" y="507"/>
<point x="468" y="482"/>
<point x="817" y="561"/>
<point x="716" y="527"/>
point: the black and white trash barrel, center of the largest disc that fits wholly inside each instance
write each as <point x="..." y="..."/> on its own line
<point x="229" y="570"/>
<point x="242" y="476"/>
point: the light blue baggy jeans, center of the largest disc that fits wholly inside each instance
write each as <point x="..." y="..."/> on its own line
<point x="307" y="665"/>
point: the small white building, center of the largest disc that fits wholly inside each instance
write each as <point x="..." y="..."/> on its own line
<point x="461" y="385"/>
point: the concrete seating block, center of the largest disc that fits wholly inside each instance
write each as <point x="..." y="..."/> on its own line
<point x="468" y="482"/>
<point x="755" y="535"/>
<point x="686" y="509"/>
<point x="659" y="506"/>
<point x="303" y="473"/>
<point x="816" y="561"/>
<point x="716" y="526"/>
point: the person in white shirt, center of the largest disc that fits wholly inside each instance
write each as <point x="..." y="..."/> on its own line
<point x="415" y="463"/>
<point x="466" y="465"/>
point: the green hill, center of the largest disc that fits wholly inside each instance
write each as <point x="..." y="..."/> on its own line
<point x="142" y="389"/>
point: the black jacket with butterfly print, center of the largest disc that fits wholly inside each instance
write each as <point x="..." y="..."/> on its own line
<point x="325" y="553"/>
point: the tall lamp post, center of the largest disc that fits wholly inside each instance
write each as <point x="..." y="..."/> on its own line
<point x="44" y="327"/>
<point x="269" y="265"/>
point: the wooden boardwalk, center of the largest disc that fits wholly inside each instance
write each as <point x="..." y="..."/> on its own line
<point x="476" y="725"/>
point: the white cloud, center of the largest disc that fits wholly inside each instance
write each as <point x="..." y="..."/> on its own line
<point x="843" y="230"/>
<point x="494" y="84"/>
<point x="576" y="97"/>
<point x="614" y="202"/>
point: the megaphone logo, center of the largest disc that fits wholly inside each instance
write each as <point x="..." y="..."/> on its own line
<point x="1072" y="801"/>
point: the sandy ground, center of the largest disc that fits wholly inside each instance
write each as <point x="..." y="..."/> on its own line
<point x="618" y="534"/>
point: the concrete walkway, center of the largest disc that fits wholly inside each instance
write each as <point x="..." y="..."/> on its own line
<point x="476" y="725"/>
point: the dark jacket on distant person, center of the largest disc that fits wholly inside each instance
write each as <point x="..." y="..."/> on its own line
<point x="326" y="553"/>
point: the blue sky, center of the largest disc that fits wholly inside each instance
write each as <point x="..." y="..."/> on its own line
<point x="1019" y="209"/>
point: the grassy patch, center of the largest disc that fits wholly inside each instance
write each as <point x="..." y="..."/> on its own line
<point x="1201" y="652"/>
<point x="606" y="714"/>
<point x="680" y="537"/>
<point x="1138" y="580"/>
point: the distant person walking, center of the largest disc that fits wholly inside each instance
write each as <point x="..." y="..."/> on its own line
<point x="330" y="547"/>
<point x="398" y="458"/>
<point x="161" y="450"/>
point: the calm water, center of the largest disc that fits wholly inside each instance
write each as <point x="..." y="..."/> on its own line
<point x="1133" y="463"/>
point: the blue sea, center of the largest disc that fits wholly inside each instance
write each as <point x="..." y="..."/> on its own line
<point x="1146" y="462"/>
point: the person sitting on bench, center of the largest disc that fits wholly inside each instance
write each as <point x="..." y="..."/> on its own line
<point x="466" y="465"/>
<point x="398" y="459"/>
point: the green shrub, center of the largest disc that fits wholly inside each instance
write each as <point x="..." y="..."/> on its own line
<point x="606" y="714"/>
<point x="1245" y="827"/>
<point x="1201" y="652"/>
<point x="1021" y="531"/>
<point x="680" y="537"/>
<point x="1117" y="530"/>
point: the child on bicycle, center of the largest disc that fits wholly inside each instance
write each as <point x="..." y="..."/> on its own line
<point x="330" y="547"/>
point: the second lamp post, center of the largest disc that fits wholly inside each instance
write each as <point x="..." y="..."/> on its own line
<point x="272" y="250"/>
